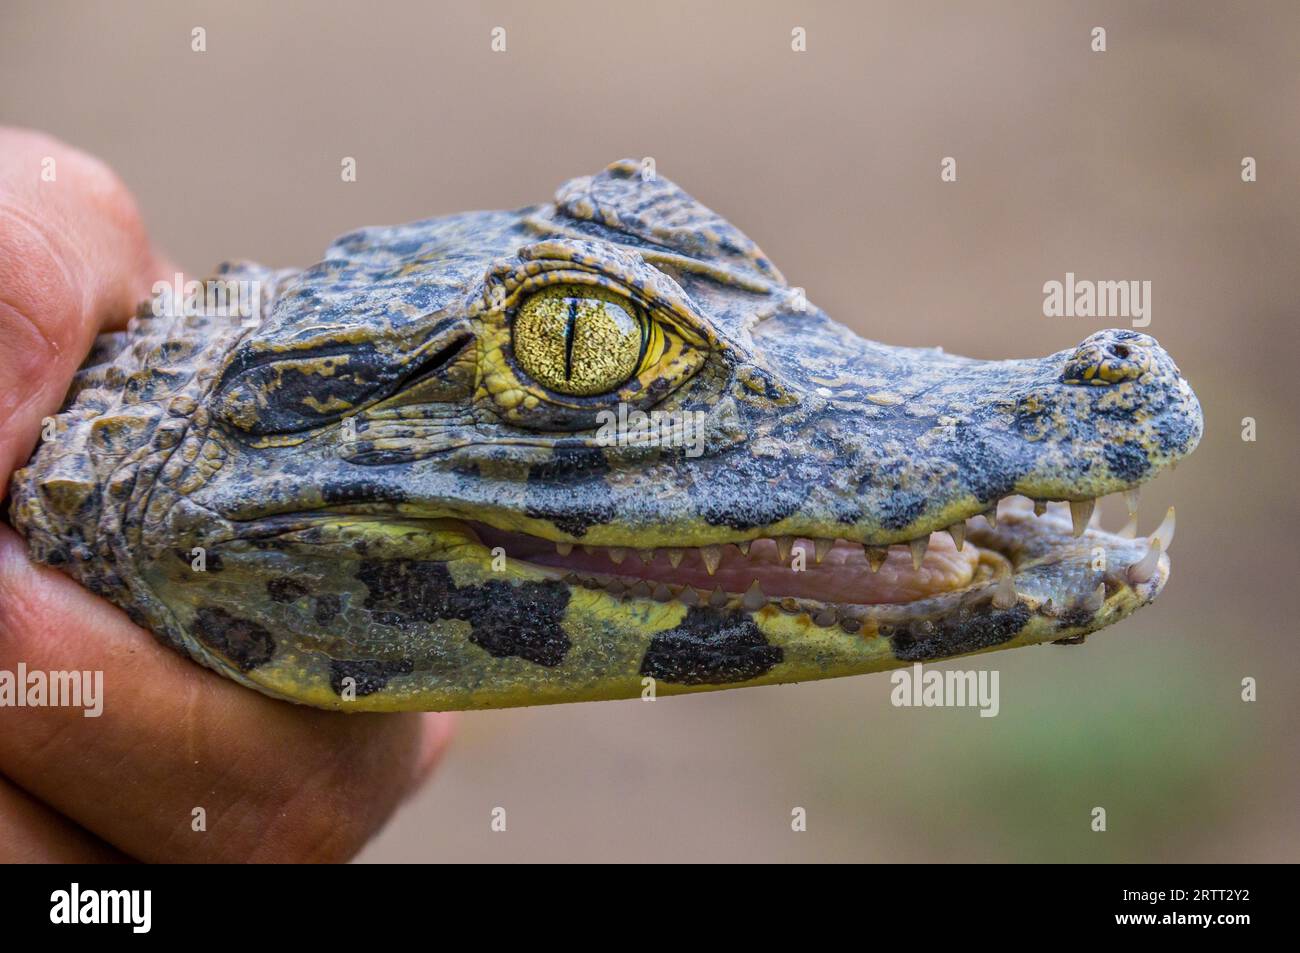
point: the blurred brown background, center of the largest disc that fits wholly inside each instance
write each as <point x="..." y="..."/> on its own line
<point x="1122" y="165"/>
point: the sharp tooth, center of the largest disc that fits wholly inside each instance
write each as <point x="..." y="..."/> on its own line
<point x="617" y="554"/>
<point x="1129" y="529"/>
<point x="688" y="597"/>
<point x="1094" y="600"/>
<point x="640" y="590"/>
<point x="827" y="617"/>
<point x="876" y="556"/>
<point x="614" y="587"/>
<point x="743" y="546"/>
<point x="958" y="533"/>
<point x="711" y="556"/>
<point x="821" y="547"/>
<point x="675" y="557"/>
<point x="564" y="548"/>
<point x="991" y="514"/>
<point x="918" y="547"/>
<point x="1040" y="507"/>
<point x="1131" y="501"/>
<point x="783" y="546"/>
<point x="717" y="598"/>
<point x="1165" y="531"/>
<point x="1142" y="570"/>
<point x="589" y="550"/>
<point x="754" y="598"/>
<point x="1081" y="512"/>
<point x="1004" y="597"/>
<point x="662" y="593"/>
<point x="646" y="555"/>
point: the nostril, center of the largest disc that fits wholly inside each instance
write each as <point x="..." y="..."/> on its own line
<point x="1100" y="362"/>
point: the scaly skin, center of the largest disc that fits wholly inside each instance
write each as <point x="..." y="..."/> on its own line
<point x="346" y="468"/>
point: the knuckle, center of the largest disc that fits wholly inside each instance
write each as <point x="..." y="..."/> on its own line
<point x="326" y="817"/>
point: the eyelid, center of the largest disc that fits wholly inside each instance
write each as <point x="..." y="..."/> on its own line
<point x="587" y="263"/>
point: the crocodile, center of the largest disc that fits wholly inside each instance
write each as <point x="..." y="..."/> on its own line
<point x="588" y="449"/>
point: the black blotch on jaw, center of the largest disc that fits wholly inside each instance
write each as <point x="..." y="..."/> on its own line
<point x="742" y="491"/>
<point x="327" y="607"/>
<point x="967" y="631"/>
<point x="242" y="641"/>
<point x="361" y="491"/>
<point x="988" y="468"/>
<point x="1175" y="434"/>
<point x="1127" y="460"/>
<point x="569" y="489"/>
<point x="285" y="589"/>
<point x="524" y="621"/>
<point x="710" y="647"/>
<point x="1074" y="617"/>
<point x="368" y="675"/>
<point x="902" y="510"/>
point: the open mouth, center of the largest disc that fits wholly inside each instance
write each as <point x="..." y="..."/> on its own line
<point x="1018" y="551"/>
<point x="826" y="571"/>
<point x="1022" y="556"/>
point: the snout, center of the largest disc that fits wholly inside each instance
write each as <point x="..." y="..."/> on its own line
<point x="917" y="439"/>
<point x="1119" y="412"/>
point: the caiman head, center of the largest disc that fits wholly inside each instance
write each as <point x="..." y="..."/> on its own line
<point x="507" y="458"/>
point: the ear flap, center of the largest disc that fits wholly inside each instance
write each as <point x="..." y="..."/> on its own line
<point x="272" y="388"/>
<point x="634" y="199"/>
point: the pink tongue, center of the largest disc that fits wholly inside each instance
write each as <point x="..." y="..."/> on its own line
<point x="843" y="576"/>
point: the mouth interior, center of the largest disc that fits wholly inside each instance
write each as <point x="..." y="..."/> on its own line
<point x="844" y="574"/>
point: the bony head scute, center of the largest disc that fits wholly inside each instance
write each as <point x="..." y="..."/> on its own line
<point x="579" y="340"/>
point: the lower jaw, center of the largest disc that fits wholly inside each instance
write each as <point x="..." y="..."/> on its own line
<point x="1054" y="591"/>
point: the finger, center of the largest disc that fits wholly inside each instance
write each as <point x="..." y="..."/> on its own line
<point x="30" y="833"/>
<point x="179" y="748"/>
<point x="74" y="258"/>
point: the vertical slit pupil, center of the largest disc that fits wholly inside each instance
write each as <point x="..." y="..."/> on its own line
<point x="568" y="338"/>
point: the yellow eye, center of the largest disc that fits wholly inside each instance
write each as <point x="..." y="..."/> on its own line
<point x="580" y="340"/>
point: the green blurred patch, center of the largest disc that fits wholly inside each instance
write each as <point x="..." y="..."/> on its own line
<point x="1165" y="750"/>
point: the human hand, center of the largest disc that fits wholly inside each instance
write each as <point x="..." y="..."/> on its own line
<point x="275" y="782"/>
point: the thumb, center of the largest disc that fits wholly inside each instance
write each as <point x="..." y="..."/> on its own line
<point x="74" y="260"/>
